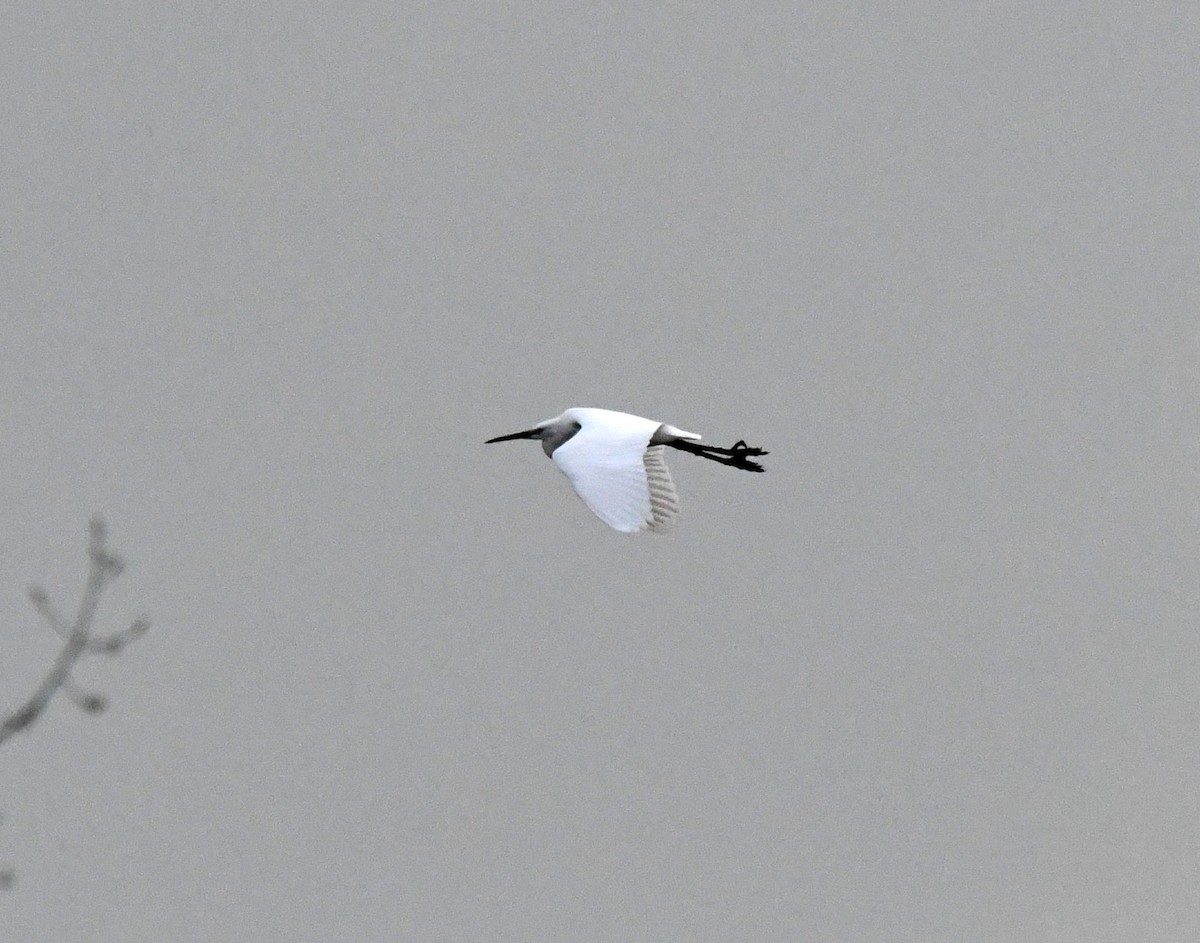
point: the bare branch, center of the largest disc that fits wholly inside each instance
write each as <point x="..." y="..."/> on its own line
<point x="87" y="701"/>
<point x="105" y="644"/>
<point x="105" y="566"/>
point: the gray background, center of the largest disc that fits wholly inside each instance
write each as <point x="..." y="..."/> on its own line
<point x="272" y="273"/>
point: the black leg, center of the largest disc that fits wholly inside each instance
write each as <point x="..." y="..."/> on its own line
<point x="737" y="457"/>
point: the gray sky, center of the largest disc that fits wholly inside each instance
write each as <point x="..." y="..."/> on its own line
<point x="273" y="274"/>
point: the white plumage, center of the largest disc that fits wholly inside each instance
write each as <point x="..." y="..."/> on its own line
<point x="615" y="463"/>
<point x="616" y="471"/>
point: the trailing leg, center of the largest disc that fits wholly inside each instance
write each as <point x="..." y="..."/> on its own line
<point x="736" y="457"/>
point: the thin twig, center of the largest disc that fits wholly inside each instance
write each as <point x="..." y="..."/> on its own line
<point x="104" y="566"/>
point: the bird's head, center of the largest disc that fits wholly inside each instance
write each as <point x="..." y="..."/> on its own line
<point x="551" y="432"/>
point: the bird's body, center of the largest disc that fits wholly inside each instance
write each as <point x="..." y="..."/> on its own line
<point x="616" y="465"/>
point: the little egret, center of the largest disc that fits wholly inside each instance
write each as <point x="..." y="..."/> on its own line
<point x="615" y="463"/>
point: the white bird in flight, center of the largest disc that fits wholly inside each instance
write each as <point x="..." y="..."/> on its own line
<point x="615" y="463"/>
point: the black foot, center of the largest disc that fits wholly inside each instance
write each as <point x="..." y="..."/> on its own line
<point x="737" y="457"/>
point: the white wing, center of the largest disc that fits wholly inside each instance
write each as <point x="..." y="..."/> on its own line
<point x="664" y="502"/>
<point x="625" y="484"/>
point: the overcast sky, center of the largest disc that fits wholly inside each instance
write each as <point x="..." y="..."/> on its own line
<point x="272" y="273"/>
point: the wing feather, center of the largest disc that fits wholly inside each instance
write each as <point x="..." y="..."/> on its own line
<point x="664" y="501"/>
<point x="623" y="482"/>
